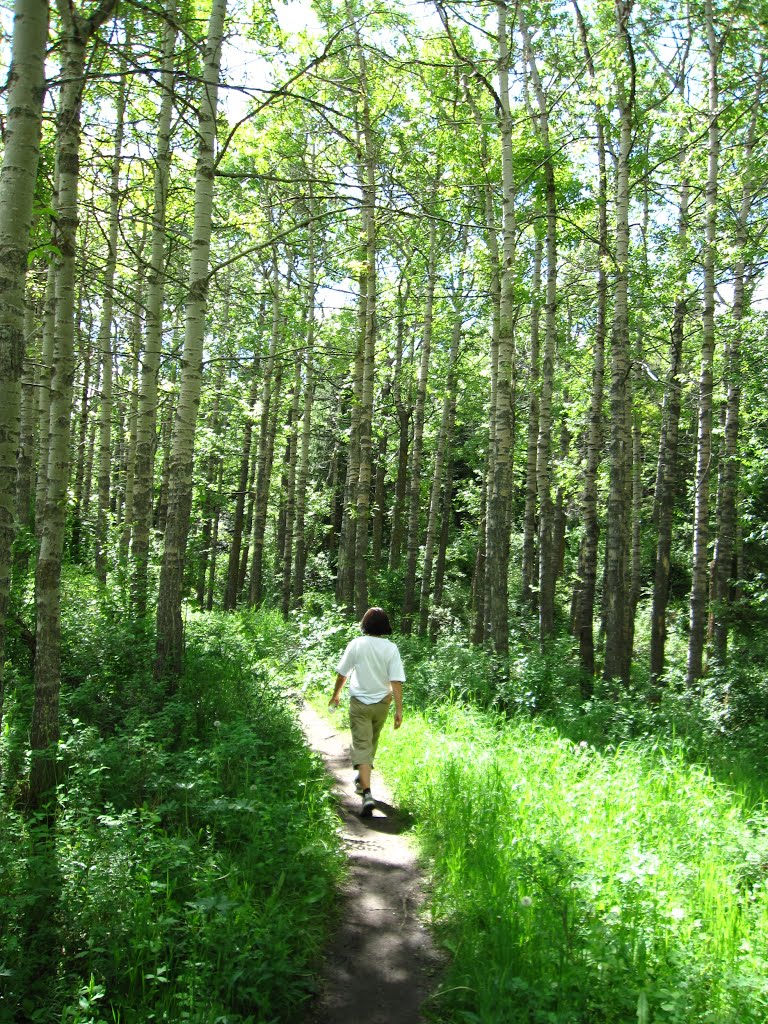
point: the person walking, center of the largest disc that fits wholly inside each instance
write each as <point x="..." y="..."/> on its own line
<point x="375" y="671"/>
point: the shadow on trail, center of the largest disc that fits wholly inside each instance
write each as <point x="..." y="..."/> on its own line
<point x="390" y="820"/>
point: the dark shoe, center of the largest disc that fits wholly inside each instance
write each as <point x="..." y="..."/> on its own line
<point x="368" y="804"/>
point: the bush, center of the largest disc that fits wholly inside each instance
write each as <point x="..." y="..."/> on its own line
<point x="194" y="862"/>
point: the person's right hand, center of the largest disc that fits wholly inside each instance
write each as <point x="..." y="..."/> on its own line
<point x="398" y="719"/>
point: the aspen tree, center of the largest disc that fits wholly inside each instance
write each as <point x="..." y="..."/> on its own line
<point x="233" y="566"/>
<point x="403" y="421"/>
<point x="300" y="553"/>
<point x="444" y="440"/>
<point x="105" y="340"/>
<point x="270" y="392"/>
<point x="701" y="530"/>
<point x="500" y="491"/>
<point x="530" y="567"/>
<point x="666" y="478"/>
<point x="170" y="639"/>
<point x="584" y="598"/>
<point x="547" y="569"/>
<point x="77" y="33"/>
<point x="725" y="540"/>
<point x="146" y="422"/>
<point x="21" y="146"/>
<point x="285" y="548"/>
<point x="414" y="487"/>
<point x="616" y="585"/>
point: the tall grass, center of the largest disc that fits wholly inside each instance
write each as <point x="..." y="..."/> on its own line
<point x="583" y="886"/>
<point x="192" y="870"/>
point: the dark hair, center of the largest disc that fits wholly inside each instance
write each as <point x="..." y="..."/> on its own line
<point x="376" y="623"/>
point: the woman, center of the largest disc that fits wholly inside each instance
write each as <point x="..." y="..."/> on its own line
<point x="375" y="672"/>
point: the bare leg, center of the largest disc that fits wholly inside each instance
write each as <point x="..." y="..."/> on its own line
<point x="364" y="772"/>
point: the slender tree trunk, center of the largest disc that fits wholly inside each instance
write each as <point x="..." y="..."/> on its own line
<point x="133" y="414"/>
<point x="481" y="592"/>
<point x="44" y="398"/>
<point x="146" y="423"/>
<point x="104" y="343"/>
<point x="21" y="141"/>
<point x="89" y="370"/>
<point x="300" y="555"/>
<point x="444" y="439"/>
<point x="414" y="493"/>
<point x="442" y="549"/>
<point x="233" y="567"/>
<point x="368" y="212"/>
<point x="618" y="659"/>
<point x="25" y="469"/>
<point x="500" y="489"/>
<point x="211" y="496"/>
<point x="247" y="530"/>
<point x="290" y="490"/>
<point x="530" y="568"/>
<point x="698" y="625"/>
<point x="267" y="428"/>
<point x="345" y="582"/>
<point x="77" y="33"/>
<point x="547" y="569"/>
<point x="403" y="419"/>
<point x="379" y="497"/>
<point x="584" y="597"/>
<point x="170" y="640"/>
<point x="725" y="542"/>
<point x="666" y="478"/>
<point x="215" y="540"/>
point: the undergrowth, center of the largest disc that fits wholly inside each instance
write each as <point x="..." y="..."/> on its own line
<point x="191" y="871"/>
<point x="590" y="862"/>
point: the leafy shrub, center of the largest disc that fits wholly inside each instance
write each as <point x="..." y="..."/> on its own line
<point x="193" y="867"/>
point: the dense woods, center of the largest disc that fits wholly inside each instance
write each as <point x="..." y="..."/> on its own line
<point x="457" y="308"/>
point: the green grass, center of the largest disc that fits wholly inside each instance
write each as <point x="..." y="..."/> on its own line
<point x="192" y="872"/>
<point x="577" y="885"/>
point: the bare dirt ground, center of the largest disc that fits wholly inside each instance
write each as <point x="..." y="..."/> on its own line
<point x="381" y="964"/>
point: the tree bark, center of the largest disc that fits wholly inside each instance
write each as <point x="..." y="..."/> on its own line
<point x="170" y="639"/>
<point x="414" y="490"/>
<point x="77" y="32"/>
<point x="267" y="429"/>
<point x="443" y="442"/>
<point x="146" y="424"/>
<point x="233" y="566"/>
<point x="500" y="479"/>
<point x="104" y="343"/>
<point x="583" y="619"/>
<point x="618" y="659"/>
<point x="403" y="421"/>
<point x="699" y="581"/>
<point x="25" y="86"/>
<point x="547" y="568"/>
<point x="530" y="568"/>
<point x="300" y="555"/>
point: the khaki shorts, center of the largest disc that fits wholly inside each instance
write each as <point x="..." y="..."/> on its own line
<point x="366" y="722"/>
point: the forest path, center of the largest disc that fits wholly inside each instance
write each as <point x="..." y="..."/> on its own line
<point x="381" y="963"/>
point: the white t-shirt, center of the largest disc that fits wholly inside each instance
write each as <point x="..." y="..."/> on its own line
<point x="374" y="661"/>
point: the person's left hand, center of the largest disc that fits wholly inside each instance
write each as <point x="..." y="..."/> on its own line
<point x="334" y="701"/>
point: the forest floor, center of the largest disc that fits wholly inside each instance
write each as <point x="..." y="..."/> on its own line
<point x="381" y="963"/>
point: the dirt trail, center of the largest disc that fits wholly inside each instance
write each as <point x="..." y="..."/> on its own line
<point x="381" y="963"/>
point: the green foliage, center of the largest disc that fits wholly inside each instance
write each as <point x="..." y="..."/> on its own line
<point x="193" y="865"/>
<point x="569" y="883"/>
<point x="590" y="861"/>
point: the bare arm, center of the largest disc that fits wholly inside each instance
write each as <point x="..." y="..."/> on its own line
<point x="334" y="701"/>
<point x="397" y="691"/>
